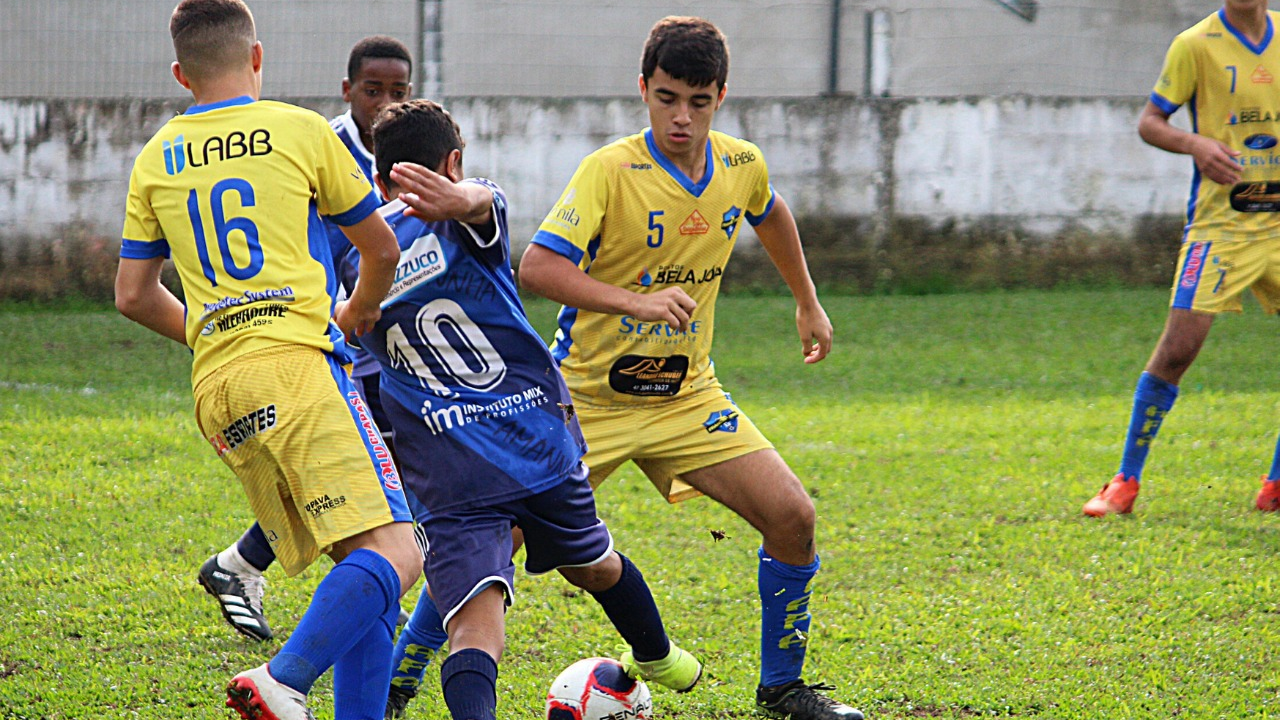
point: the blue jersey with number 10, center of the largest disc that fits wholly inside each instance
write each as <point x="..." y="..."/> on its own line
<point x="480" y="411"/>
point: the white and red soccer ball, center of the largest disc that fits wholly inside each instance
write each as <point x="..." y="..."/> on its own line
<point x="598" y="689"/>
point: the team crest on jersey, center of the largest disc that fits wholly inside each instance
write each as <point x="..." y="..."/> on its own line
<point x="722" y="421"/>
<point x="729" y="221"/>
<point x="1261" y="76"/>
<point x="695" y="224"/>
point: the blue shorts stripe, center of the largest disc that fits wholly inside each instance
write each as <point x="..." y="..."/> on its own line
<point x="379" y="455"/>
<point x="1189" y="275"/>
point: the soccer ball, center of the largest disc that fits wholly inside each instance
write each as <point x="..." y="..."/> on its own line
<point x="597" y="689"/>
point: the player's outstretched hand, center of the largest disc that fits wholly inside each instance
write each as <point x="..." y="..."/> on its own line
<point x="1216" y="160"/>
<point x="429" y="195"/>
<point x="815" y="332"/>
<point x="672" y="306"/>
<point x="354" y="321"/>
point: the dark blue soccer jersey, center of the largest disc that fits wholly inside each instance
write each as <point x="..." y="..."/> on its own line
<point x="480" y="411"/>
<point x="362" y="363"/>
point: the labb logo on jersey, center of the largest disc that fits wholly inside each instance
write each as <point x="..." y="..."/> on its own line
<point x="729" y="221"/>
<point x="179" y="154"/>
<point x="175" y="158"/>
<point x="741" y="158"/>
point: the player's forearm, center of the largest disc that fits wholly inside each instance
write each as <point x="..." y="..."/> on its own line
<point x="557" y="278"/>
<point x="1155" y="130"/>
<point x="479" y="203"/>
<point x="781" y="240"/>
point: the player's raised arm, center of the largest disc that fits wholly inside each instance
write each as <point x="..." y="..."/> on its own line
<point x="433" y="196"/>
<point x="556" y="277"/>
<point x="781" y="239"/>
<point x="1216" y="160"/>
<point x="379" y="254"/>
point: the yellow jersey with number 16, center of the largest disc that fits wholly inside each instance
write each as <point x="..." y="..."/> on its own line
<point x="1232" y="89"/>
<point x="631" y="218"/>
<point x="234" y="191"/>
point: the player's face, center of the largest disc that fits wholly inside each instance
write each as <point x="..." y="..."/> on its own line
<point x="679" y="113"/>
<point x="380" y="82"/>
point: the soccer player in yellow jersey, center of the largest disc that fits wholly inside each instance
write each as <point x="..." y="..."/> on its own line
<point x="234" y="189"/>
<point x="634" y="249"/>
<point x="1226" y="68"/>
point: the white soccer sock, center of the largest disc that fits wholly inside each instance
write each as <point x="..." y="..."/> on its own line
<point x="232" y="560"/>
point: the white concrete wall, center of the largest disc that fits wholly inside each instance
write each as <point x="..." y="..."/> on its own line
<point x="591" y="48"/>
<point x="1042" y="164"/>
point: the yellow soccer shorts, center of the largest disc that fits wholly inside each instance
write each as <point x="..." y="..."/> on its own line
<point x="1213" y="275"/>
<point x="667" y="439"/>
<point x="289" y="423"/>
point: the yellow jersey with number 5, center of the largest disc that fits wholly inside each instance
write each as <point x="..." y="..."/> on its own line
<point x="631" y="218"/>
<point x="1231" y="86"/>
<point x="234" y="191"/>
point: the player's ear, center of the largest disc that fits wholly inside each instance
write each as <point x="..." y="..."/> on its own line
<point x="382" y="187"/>
<point x="257" y="56"/>
<point x="180" y="76"/>
<point x="644" y="91"/>
<point x="346" y="90"/>
<point x="724" y="89"/>
<point x="453" y="165"/>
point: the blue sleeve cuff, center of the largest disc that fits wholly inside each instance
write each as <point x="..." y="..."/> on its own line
<point x="757" y="219"/>
<point x="362" y="210"/>
<point x="139" y="250"/>
<point x="558" y="245"/>
<point x="1168" y="107"/>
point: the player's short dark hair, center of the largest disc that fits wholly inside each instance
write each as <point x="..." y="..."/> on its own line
<point x="377" y="46"/>
<point x="417" y="131"/>
<point x="211" y="36"/>
<point x="687" y="48"/>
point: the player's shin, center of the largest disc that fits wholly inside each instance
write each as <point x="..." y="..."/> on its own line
<point x="361" y="675"/>
<point x="784" y="618"/>
<point x="354" y="596"/>
<point x="630" y="606"/>
<point x="1152" y="400"/>
<point x="469" y="679"/>
<point x="421" y="639"/>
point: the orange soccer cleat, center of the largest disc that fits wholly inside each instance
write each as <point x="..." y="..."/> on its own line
<point x="1116" y="497"/>
<point x="1268" y="499"/>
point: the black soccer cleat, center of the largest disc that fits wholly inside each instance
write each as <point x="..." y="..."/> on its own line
<point x="239" y="598"/>
<point x="798" y="701"/>
<point x="397" y="700"/>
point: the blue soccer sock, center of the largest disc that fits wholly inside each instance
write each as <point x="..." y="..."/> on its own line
<point x="469" y="680"/>
<point x="630" y="607"/>
<point x="784" y="618"/>
<point x="360" y="676"/>
<point x="419" y="641"/>
<point x="1152" y="400"/>
<point x="255" y="549"/>
<point x="1275" y="464"/>
<point x="346" y="605"/>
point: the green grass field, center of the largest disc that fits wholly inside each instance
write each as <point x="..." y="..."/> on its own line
<point x="949" y="442"/>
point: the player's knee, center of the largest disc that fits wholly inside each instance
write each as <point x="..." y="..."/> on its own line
<point x="595" y="578"/>
<point x="794" y="524"/>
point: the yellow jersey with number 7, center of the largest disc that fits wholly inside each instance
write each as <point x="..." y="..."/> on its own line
<point x="233" y="192"/>
<point x="1231" y="86"/>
